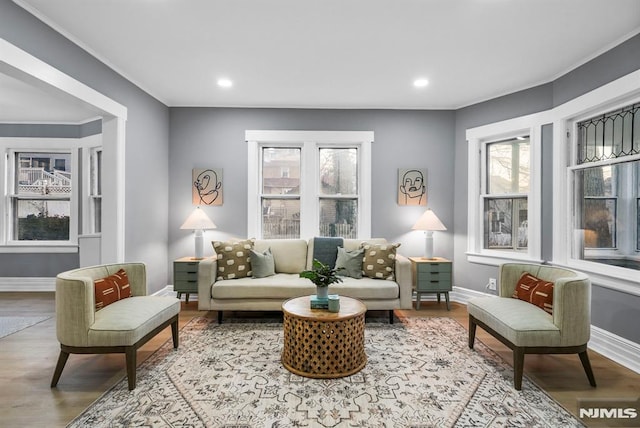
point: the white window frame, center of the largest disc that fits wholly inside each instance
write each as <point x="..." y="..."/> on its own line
<point x="614" y="95"/>
<point x="310" y="142"/>
<point x="10" y="146"/>
<point x="91" y="145"/>
<point x="478" y="138"/>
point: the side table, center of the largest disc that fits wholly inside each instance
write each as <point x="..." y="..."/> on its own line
<point x="185" y="276"/>
<point x="431" y="276"/>
<point x="320" y="344"/>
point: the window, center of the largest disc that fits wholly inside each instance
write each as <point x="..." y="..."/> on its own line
<point x="504" y="207"/>
<point x="309" y="184"/>
<point x="507" y="189"/>
<point x="280" y="196"/>
<point x="338" y="198"/>
<point x="40" y="200"/>
<point x="606" y="188"/>
<point x="95" y="189"/>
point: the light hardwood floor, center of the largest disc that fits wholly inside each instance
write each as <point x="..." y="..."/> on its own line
<point x="28" y="358"/>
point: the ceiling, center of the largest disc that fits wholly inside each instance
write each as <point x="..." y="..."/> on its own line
<point x="340" y="53"/>
<point x="22" y="102"/>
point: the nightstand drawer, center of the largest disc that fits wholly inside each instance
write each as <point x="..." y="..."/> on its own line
<point x="189" y="267"/>
<point x="186" y="276"/>
<point x="186" y="286"/>
<point x="426" y="268"/>
<point x="443" y="285"/>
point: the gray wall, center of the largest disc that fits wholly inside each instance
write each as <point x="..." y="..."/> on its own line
<point x="612" y="310"/>
<point x="214" y="137"/>
<point x="147" y="136"/>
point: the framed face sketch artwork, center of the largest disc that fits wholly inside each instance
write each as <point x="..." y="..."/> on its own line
<point x="412" y="187"/>
<point x="206" y="186"/>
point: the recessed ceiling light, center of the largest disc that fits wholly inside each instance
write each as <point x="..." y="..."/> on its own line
<point x="225" y="83"/>
<point x="420" y="83"/>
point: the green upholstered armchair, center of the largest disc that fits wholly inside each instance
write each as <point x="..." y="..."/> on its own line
<point x="121" y="327"/>
<point x="528" y="329"/>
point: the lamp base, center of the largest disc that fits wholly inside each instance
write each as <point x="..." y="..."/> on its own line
<point x="428" y="244"/>
<point x="199" y="244"/>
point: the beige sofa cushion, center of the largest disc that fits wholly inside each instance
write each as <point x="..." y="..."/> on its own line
<point x="520" y="322"/>
<point x="127" y="321"/>
<point x="290" y="255"/>
<point x="285" y="286"/>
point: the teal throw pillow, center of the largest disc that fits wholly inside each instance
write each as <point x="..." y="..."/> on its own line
<point x="349" y="263"/>
<point x="262" y="264"/>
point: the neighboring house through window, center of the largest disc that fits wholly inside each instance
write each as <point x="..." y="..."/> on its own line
<point x="307" y="183"/>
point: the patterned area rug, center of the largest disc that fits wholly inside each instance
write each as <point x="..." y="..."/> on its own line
<point x="420" y="373"/>
<point x="10" y="325"/>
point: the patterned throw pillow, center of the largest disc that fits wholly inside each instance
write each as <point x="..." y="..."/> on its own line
<point x="535" y="290"/>
<point x="379" y="260"/>
<point x="112" y="288"/>
<point x="234" y="258"/>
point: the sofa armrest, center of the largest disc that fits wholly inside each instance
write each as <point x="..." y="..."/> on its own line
<point x="207" y="271"/>
<point x="572" y="309"/>
<point x="404" y="280"/>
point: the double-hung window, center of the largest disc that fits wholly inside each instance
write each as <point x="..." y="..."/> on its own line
<point x="506" y="194"/>
<point x="505" y="191"/>
<point x="40" y="197"/>
<point x="606" y="188"/>
<point x="304" y="184"/>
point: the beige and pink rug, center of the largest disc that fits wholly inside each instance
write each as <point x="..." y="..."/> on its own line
<point x="420" y="373"/>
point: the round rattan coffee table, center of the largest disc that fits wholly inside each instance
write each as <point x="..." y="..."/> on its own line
<point x="323" y="344"/>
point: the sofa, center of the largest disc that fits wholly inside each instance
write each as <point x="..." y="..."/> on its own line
<point x="292" y="256"/>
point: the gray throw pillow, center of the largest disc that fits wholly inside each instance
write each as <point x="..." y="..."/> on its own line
<point x="262" y="264"/>
<point x="349" y="263"/>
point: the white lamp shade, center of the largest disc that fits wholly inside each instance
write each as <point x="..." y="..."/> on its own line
<point x="198" y="220"/>
<point x="429" y="221"/>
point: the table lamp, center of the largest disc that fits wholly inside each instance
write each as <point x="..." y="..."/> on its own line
<point x="428" y="222"/>
<point x="198" y="221"/>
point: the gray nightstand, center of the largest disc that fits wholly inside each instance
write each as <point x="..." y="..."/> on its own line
<point x="431" y="276"/>
<point x="185" y="276"/>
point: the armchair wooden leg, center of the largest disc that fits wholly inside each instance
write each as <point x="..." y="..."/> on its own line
<point x="391" y="316"/>
<point x="219" y="317"/>
<point x="518" y="367"/>
<point x="472" y="331"/>
<point x="174" y="333"/>
<point x="130" y="356"/>
<point x="62" y="360"/>
<point x="584" y="357"/>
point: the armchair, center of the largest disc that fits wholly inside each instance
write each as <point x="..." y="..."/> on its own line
<point x="121" y="327"/>
<point x="528" y="329"/>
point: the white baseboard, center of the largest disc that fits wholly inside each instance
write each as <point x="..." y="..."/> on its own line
<point x="168" y="291"/>
<point x="615" y="348"/>
<point x="30" y="284"/>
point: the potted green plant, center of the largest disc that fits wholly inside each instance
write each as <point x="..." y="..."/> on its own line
<point x="321" y="275"/>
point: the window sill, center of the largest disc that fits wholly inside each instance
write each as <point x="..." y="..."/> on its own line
<point x="38" y="248"/>
<point x="612" y="277"/>
<point x="496" y="259"/>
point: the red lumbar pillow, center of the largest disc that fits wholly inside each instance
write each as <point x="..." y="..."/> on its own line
<point x="535" y="290"/>
<point x="111" y="289"/>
